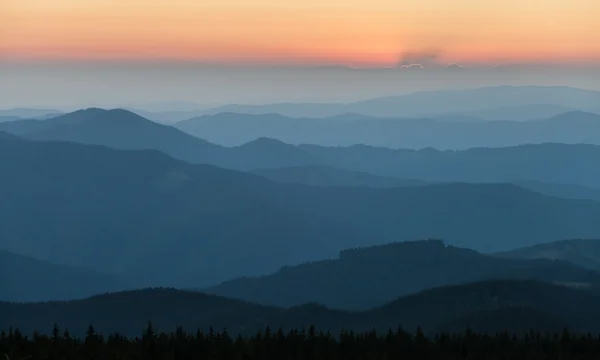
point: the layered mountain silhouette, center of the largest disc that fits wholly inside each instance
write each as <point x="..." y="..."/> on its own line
<point x="26" y="279"/>
<point x="446" y="132"/>
<point x="583" y="252"/>
<point x="369" y="277"/>
<point x="121" y="129"/>
<point x="318" y="175"/>
<point x="443" y="102"/>
<point x="551" y="163"/>
<point x="93" y="206"/>
<point x="491" y="306"/>
<point x="196" y="225"/>
<point x="576" y="164"/>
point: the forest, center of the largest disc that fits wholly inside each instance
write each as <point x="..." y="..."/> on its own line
<point x="297" y="344"/>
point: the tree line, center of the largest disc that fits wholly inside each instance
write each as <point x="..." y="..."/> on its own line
<point x="296" y="345"/>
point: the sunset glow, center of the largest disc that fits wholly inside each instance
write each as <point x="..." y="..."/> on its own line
<point x="359" y="32"/>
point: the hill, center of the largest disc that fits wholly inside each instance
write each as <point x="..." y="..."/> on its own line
<point x="197" y="225"/>
<point x="443" y="101"/>
<point x="26" y="279"/>
<point x="25" y="113"/>
<point x="328" y="176"/>
<point x="8" y="118"/>
<point x="121" y="129"/>
<point x="568" y="191"/>
<point x="451" y="101"/>
<point x="583" y="252"/>
<point x="552" y="163"/>
<point x="442" y="308"/>
<point x="93" y="206"/>
<point x="520" y="113"/>
<point x="453" y="132"/>
<point x="456" y="307"/>
<point x="362" y="278"/>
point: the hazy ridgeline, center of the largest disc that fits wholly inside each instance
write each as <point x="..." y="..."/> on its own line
<point x="297" y="214"/>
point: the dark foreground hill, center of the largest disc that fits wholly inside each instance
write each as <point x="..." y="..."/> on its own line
<point x="26" y="279"/>
<point x="197" y="225"/>
<point x="368" y="277"/>
<point x="512" y="305"/>
<point x="583" y="252"/>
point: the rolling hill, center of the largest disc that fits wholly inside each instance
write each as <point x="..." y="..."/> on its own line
<point x="197" y="225"/>
<point x="369" y="277"/>
<point x="121" y="129"/>
<point x="516" y="306"/>
<point x="25" y="279"/>
<point x="583" y="252"/>
<point x="329" y="176"/>
<point x="93" y="206"/>
<point x="443" y="101"/>
<point x="551" y="163"/>
<point x="447" y="132"/>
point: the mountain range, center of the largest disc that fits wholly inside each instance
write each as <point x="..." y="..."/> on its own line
<point x="576" y="164"/>
<point x="197" y="225"/>
<point x="318" y="175"/>
<point x="121" y="129"/>
<point x="465" y="102"/>
<point x="449" y="132"/>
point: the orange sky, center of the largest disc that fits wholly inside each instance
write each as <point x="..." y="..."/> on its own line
<point x="349" y="32"/>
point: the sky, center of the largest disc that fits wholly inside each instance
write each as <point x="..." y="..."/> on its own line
<point x="342" y="32"/>
<point x="65" y="53"/>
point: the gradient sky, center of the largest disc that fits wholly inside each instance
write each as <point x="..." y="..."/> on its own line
<point x="344" y="32"/>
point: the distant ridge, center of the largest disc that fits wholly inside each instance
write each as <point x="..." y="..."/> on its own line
<point x="452" y="131"/>
<point x="583" y="252"/>
<point x="443" y="101"/>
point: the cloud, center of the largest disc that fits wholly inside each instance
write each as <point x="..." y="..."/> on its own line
<point x="409" y="66"/>
<point x="422" y="58"/>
